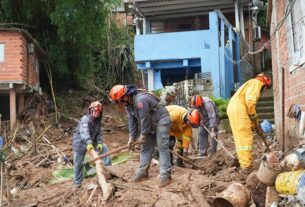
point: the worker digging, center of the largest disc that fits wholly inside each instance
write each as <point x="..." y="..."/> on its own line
<point x="243" y="118"/>
<point x="141" y="103"/>
<point x="144" y="109"/>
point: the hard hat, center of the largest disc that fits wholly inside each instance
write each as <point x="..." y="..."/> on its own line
<point x="95" y="108"/>
<point x="171" y="91"/>
<point x="194" y="117"/>
<point x="117" y="92"/>
<point x="265" y="79"/>
<point x="196" y="101"/>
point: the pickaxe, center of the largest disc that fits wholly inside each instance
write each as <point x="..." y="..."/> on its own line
<point x="111" y="152"/>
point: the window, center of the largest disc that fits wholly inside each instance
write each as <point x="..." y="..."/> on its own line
<point x="295" y="35"/>
<point x="1" y="52"/>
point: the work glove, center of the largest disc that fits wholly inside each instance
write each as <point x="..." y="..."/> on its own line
<point x="90" y="147"/>
<point x="130" y="142"/>
<point x="185" y="152"/>
<point x="213" y="133"/>
<point x="142" y="139"/>
<point x="99" y="147"/>
<point x="259" y="130"/>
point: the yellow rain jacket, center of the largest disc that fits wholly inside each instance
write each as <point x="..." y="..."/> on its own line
<point x="242" y="114"/>
<point x="179" y="129"/>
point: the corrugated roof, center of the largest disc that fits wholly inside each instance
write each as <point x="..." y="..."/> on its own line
<point x="166" y="9"/>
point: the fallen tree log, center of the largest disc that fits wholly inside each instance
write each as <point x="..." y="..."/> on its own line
<point x="107" y="188"/>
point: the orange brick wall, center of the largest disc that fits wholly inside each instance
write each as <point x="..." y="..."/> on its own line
<point x="14" y="68"/>
<point x="11" y="68"/>
<point x="291" y="90"/>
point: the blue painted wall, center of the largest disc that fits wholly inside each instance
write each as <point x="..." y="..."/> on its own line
<point x="171" y="46"/>
<point x="211" y="49"/>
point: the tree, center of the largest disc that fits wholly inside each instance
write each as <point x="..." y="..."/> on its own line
<point x="79" y="37"/>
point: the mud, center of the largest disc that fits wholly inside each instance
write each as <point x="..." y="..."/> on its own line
<point x="189" y="187"/>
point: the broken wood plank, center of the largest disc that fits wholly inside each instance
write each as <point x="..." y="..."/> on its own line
<point x="107" y="188"/>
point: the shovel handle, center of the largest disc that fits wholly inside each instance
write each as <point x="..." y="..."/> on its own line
<point x="223" y="147"/>
<point x="112" y="152"/>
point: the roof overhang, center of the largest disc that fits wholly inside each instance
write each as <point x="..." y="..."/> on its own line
<point x="167" y="9"/>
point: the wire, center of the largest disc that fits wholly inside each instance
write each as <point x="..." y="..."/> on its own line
<point x="268" y="43"/>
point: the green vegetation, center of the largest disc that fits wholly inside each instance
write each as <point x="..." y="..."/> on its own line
<point x="222" y="105"/>
<point x="81" y="39"/>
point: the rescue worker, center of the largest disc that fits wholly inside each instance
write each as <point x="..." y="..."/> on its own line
<point x="88" y="136"/>
<point x="144" y="109"/>
<point x="169" y="96"/>
<point x="243" y="117"/>
<point x="182" y="123"/>
<point x="210" y="119"/>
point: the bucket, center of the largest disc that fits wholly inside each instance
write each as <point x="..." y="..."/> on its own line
<point x="266" y="174"/>
<point x="236" y="195"/>
<point x="289" y="182"/>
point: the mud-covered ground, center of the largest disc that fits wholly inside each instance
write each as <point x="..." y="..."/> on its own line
<point x="189" y="187"/>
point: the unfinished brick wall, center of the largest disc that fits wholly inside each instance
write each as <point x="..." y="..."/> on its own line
<point x="289" y="88"/>
<point x="11" y="68"/>
<point x="19" y="65"/>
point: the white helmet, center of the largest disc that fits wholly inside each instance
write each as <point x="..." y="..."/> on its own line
<point x="171" y="91"/>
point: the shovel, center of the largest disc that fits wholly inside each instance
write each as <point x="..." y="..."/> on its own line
<point x="221" y="145"/>
<point x="111" y="152"/>
<point x="261" y="134"/>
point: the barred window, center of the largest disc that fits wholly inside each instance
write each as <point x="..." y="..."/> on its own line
<point x="295" y="35"/>
<point x="1" y="52"/>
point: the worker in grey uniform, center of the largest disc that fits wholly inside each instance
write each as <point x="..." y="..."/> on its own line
<point x="210" y="119"/>
<point x="144" y="109"/>
<point x="88" y="136"/>
<point x="167" y="98"/>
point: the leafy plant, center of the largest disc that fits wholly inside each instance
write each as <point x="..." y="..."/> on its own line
<point x="222" y="105"/>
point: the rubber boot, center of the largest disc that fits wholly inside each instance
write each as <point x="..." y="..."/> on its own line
<point x="179" y="161"/>
<point x="140" y="177"/>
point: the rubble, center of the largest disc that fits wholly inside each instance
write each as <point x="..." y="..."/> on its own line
<point x="31" y="181"/>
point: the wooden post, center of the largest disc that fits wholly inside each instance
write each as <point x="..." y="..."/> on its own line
<point x="12" y="107"/>
<point x="107" y="188"/>
<point x="20" y="103"/>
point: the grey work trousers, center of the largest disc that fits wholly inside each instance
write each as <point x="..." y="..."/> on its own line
<point x="78" y="161"/>
<point x="204" y="141"/>
<point x="161" y="139"/>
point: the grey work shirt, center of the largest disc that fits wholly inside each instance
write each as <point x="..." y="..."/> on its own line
<point x="146" y="112"/>
<point x="210" y="113"/>
<point x="88" y="131"/>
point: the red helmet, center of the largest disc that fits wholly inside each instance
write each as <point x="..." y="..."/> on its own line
<point x="194" y="117"/>
<point x="95" y="108"/>
<point x="265" y="79"/>
<point x="196" y="101"/>
<point x="117" y="92"/>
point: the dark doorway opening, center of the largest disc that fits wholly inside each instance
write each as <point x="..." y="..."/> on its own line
<point x="5" y="106"/>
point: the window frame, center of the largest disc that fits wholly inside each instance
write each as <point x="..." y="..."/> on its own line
<point x="296" y="58"/>
<point x="2" y="51"/>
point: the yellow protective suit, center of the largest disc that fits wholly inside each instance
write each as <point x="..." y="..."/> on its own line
<point x="242" y="114"/>
<point x="179" y="128"/>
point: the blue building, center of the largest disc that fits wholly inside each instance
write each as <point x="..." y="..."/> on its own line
<point x="177" y="39"/>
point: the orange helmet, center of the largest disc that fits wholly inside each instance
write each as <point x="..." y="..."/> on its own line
<point x="265" y="79"/>
<point x="95" y="108"/>
<point x="196" y="101"/>
<point x="194" y="117"/>
<point x="117" y="92"/>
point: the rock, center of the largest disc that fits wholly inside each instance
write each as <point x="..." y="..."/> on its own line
<point x="252" y="181"/>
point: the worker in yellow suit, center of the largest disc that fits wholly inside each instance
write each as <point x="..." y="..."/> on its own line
<point x="243" y="118"/>
<point x="181" y="129"/>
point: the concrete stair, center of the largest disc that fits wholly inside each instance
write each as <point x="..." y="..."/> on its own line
<point x="265" y="105"/>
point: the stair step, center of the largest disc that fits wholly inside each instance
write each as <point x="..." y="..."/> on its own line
<point x="265" y="98"/>
<point x="265" y="103"/>
<point x="270" y="120"/>
<point x="265" y="109"/>
<point x="266" y="116"/>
